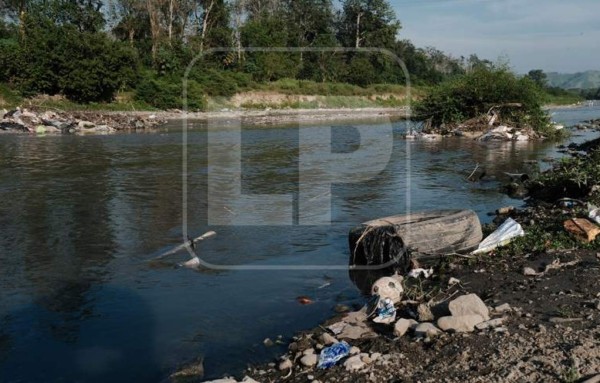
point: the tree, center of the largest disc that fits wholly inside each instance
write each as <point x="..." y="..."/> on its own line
<point x="368" y="23"/>
<point x="539" y="77"/>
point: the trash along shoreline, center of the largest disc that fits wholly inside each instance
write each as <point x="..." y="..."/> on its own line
<point x="523" y="306"/>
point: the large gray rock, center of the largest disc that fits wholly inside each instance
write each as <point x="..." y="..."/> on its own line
<point x="462" y="323"/>
<point x="469" y="305"/>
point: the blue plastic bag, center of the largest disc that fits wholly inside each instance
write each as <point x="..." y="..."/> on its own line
<point x="331" y="355"/>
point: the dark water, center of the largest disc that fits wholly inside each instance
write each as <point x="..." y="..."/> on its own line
<point x="80" y="217"/>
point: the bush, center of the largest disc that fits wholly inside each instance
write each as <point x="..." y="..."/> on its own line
<point x="85" y="67"/>
<point x="166" y="93"/>
<point x="473" y="95"/>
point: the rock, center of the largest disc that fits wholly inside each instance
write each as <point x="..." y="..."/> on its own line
<point x="285" y="365"/>
<point x="490" y="324"/>
<point x="354" y="350"/>
<point x="424" y="313"/>
<point x="426" y="330"/>
<point x="309" y="360"/>
<point x="268" y="342"/>
<point x="503" y="308"/>
<point x="356" y="317"/>
<point x="248" y="379"/>
<point x="453" y="281"/>
<point x="469" y="305"/>
<point x="582" y="228"/>
<point x="462" y="323"/>
<point x="224" y="380"/>
<point x="356" y="332"/>
<point x="354" y="363"/>
<point x="85" y="125"/>
<point x="327" y="339"/>
<point x="366" y="358"/>
<point x="51" y="129"/>
<point x="339" y="308"/>
<point x="13" y="126"/>
<point x="529" y="272"/>
<point x="388" y="287"/>
<point x="402" y="326"/>
<point x="308" y="351"/>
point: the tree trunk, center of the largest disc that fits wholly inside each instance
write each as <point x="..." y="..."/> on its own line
<point x="171" y="7"/>
<point x="205" y="24"/>
<point x="358" y="17"/>
<point x="154" y="27"/>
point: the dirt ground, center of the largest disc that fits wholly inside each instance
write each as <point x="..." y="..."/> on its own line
<point x="550" y="334"/>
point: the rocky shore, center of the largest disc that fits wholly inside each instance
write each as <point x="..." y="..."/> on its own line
<point x="50" y="122"/>
<point x="21" y="120"/>
<point x="526" y="312"/>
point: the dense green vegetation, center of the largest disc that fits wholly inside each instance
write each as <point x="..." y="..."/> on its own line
<point x="91" y="51"/>
<point x="475" y="93"/>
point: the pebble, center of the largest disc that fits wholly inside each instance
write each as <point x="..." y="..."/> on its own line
<point x="426" y="330"/>
<point x="354" y="363"/>
<point x="402" y="326"/>
<point x="327" y="339"/>
<point x="309" y="360"/>
<point x="503" y="308"/>
<point x="490" y="324"/>
<point x="424" y="313"/>
<point x="529" y="272"/>
<point x="268" y="342"/>
<point x="285" y="365"/>
<point x="462" y="323"/>
<point x="354" y="350"/>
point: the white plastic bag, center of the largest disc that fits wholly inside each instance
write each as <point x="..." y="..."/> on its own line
<point x="508" y="231"/>
<point x="594" y="214"/>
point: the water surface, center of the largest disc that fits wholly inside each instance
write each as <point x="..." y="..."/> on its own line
<point x="80" y="217"/>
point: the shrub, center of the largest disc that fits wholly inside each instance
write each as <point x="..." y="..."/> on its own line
<point x="166" y="93"/>
<point x="473" y="94"/>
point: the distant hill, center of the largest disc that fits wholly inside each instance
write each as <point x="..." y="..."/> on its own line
<point x="582" y="80"/>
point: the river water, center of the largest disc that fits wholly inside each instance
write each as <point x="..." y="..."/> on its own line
<point x="81" y="216"/>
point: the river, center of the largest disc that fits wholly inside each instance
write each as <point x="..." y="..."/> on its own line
<point x="80" y="216"/>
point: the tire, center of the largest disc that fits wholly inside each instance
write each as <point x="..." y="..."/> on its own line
<point x="434" y="232"/>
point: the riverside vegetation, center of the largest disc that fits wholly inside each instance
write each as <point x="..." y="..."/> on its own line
<point x="132" y="54"/>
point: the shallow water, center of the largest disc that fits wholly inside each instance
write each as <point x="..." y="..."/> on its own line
<point x="81" y="216"/>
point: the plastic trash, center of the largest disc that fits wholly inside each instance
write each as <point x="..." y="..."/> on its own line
<point x="389" y="287"/>
<point x="331" y="355"/>
<point x="418" y="273"/>
<point x="386" y="312"/>
<point x="594" y="214"/>
<point x="508" y="231"/>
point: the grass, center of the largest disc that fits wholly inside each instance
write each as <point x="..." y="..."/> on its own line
<point x="564" y="99"/>
<point x="326" y="95"/>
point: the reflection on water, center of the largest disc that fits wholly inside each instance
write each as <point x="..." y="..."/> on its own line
<point x="80" y="217"/>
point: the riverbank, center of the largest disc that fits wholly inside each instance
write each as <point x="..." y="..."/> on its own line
<point x="539" y="293"/>
<point x="22" y="120"/>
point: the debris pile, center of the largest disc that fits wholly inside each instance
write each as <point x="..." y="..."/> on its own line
<point x="50" y="122"/>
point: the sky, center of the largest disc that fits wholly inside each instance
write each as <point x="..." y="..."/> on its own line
<point x="553" y="35"/>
